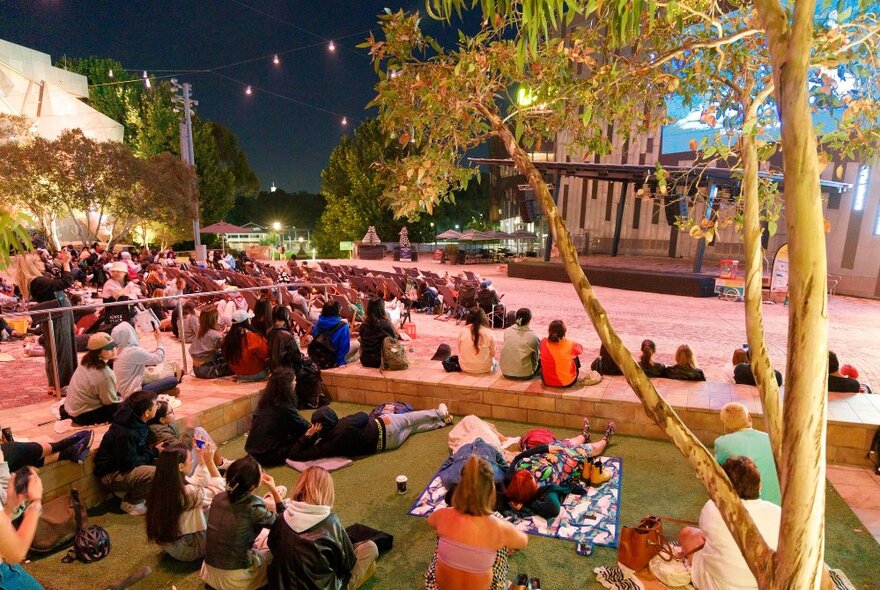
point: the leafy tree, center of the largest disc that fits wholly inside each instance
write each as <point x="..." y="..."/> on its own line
<point x="450" y="101"/>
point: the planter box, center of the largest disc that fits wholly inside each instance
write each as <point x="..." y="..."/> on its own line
<point x="370" y="252"/>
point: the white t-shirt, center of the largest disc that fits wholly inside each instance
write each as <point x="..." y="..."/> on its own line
<point x="476" y="360"/>
<point x="719" y="565"/>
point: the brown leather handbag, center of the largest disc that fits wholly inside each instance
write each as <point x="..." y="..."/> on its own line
<point x="638" y="544"/>
<point x="57" y="525"/>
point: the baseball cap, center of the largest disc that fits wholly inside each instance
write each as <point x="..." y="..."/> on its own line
<point x="101" y="341"/>
<point x="241" y="315"/>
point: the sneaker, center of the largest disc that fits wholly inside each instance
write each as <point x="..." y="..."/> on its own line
<point x="444" y="411"/>
<point x="82" y="447"/>
<point x="586" y="430"/>
<point x="133" y="509"/>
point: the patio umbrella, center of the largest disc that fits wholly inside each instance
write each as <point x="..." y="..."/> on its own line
<point x="522" y="234"/>
<point x="221" y="227"/>
<point x="500" y="235"/>
<point x="449" y="234"/>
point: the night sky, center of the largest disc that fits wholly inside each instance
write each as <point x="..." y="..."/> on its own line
<point x="286" y="142"/>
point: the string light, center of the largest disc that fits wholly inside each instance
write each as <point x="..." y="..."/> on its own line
<point x="332" y="46"/>
<point x="248" y="90"/>
<point x="275" y="60"/>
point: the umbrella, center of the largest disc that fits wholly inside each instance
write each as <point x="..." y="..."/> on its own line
<point x="522" y="234"/>
<point x="500" y="235"/>
<point x="449" y="234"/>
<point x="473" y="235"/>
<point x="221" y="227"/>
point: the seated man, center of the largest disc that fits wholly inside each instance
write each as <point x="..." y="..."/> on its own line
<point x="743" y="440"/>
<point x="123" y="462"/>
<point x="720" y="563"/>
<point x="742" y="373"/>
<point x="359" y="434"/>
<point x="836" y="381"/>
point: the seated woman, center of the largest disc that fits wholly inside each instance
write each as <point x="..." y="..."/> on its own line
<point x="132" y="360"/>
<point x="164" y="431"/>
<point x="244" y="349"/>
<point x="538" y="479"/>
<point x="177" y="501"/>
<point x="16" y="542"/>
<point x="276" y="425"/>
<point x="284" y="351"/>
<point x="476" y="345"/>
<point x="339" y="332"/>
<point x="232" y="561"/>
<point x="472" y="544"/>
<point x="205" y="347"/>
<point x="685" y="367"/>
<point x="190" y="322"/>
<point x="836" y="381"/>
<point x="521" y="352"/>
<point x="647" y="363"/>
<point x="262" y="320"/>
<point x="604" y="364"/>
<point x="373" y="332"/>
<point x="720" y="563"/>
<point x="740" y="356"/>
<point x="310" y="548"/>
<point x="559" y="357"/>
<point x="91" y="396"/>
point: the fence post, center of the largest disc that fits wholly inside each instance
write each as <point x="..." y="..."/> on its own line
<point x="180" y="332"/>
<point x="53" y="356"/>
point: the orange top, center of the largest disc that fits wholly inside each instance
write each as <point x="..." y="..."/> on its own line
<point x="557" y="362"/>
<point x="253" y="355"/>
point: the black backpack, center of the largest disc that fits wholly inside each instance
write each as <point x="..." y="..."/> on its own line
<point x="310" y="391"/>
<point x="322" y="350"/>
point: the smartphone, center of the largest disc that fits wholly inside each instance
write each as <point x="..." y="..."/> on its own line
<point x="200" y="443"/>
<point x="22" y="478"/>
<point x="585" y="549"/>
<point x="746" y="346"/>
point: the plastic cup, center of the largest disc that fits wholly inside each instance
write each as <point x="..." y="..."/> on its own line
<point x="401" y="484"/>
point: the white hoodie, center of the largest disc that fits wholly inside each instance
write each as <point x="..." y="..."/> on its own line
<point x="301" y="516"/>
<point x="132" y="359"/>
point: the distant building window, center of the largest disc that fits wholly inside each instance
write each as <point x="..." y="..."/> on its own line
<point x="861" y="189"/>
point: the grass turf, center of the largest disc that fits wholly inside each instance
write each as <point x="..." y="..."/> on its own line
<point x="656" y="480"/>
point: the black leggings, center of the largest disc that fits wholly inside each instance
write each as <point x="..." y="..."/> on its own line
<point x="97" y="416"/>
<point x="19" y="454"/>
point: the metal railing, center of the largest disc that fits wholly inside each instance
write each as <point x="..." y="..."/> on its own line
<point x="278" y="288"/>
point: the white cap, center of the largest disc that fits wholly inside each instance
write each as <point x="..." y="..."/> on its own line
<point x="118" y="267"/>
<point x="241" y="315"/>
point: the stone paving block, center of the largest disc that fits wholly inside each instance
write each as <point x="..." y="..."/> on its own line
<point x="848" y="436"/>
<point x="532" y="402"/>
<point x="537" y="417"/>
<point x="576" y="407"/>
<point x="515" y="414"/>
<point x="467" y="395"/>
<point x="464" y="408"/>
<point x="356" y="396"/>
<point x="396" y="387"/>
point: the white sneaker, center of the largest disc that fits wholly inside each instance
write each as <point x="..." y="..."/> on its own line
<point x="133" y="509"/>
<point x="443" y="409"/>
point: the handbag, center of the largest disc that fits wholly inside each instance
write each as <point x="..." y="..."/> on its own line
<point x="393" y="355"/>
<point x="57" y="525"/>
<point x="451" y="365"/>
<point x="641" y="543"/>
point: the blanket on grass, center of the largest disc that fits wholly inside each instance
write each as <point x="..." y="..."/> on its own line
<point x="592" y="518"/>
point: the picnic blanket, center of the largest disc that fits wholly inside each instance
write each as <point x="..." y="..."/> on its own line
<point x="592" y="518"/>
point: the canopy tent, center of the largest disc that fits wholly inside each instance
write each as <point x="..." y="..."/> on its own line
<point x="221" y="227"/>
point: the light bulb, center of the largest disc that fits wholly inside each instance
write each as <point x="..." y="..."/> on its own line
<point x="110" y="73"/>
<point x="275" y="60"/>
<point x="331" y="46"/>
<point x="147" y="83"/>
<point x="345" y="120"/>
<point x="145" y="74"/>
<point x="248" y="90"/>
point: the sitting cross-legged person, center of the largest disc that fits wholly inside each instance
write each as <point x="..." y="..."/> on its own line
<point x="685" y="367"/>
<point x="560" y="360"/>
<point x="604" y="364"/>
<point x="245" y="349"/>
<point x="647" y="363"/>
<point x="742" y="372"/>
<point x="538" y="479"/>
<point x="521" y="352"/>
<point x="310" y="548"/>
<point x="373" y="332"/>
<point x="91" y="396"/>
<point x="473" y="545"/>
<point x="124" y="461"/>
<point x="359" y="434"/>
<point x="838" y="382"/>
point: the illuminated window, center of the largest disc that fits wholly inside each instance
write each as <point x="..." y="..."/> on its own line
<point x="861" y="189"/>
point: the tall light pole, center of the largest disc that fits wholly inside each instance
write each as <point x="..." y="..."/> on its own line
<point x="187" y="152"/>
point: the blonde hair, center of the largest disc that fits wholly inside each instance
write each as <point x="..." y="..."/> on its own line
<point x="734" y="416"/>
<point x="315" y="486"/>
<point x="684" y="357"/>
<point x="24" y="268"/>
<point x="475" y="494"/>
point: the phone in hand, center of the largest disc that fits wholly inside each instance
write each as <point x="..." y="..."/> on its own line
<point x="22" y="479"/>
<point x="200" y="443"/>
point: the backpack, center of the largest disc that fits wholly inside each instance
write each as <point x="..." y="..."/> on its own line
<point x="536" y="437"/>
<point x="322" y="350"/>
<point x="874" y="452"/>
<point x="58" y="523"/>
<point x="213" y="369"/>
<point x="393" y="355"/>
<point x="91" y="543"/>
<point x="310" y="391"/>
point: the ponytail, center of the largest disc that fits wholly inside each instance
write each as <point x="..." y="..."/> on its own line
<point x="648" y="350"/>
<point x="556" y="331"/>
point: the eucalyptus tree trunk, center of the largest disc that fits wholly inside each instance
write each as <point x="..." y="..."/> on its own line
<point x="759" y="358"/>
<point x="706" y="468"/>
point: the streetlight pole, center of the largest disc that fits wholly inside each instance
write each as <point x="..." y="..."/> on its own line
<point x="187" y="152"/>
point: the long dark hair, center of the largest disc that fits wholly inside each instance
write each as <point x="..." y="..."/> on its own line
<point x="242" y="477"/>
<point x="92" y="360"/>
<point x="282" y="314"/>
<point x="648" y="350"/>
<point x="262" y="316"/>
<point x="375" y="311"/>
<point x="279" y="390"/>
<point x="234" y="341"/>
<point x="476" y="318"/>
<point x="167" y="499"/>
<point x="556" y="331"/>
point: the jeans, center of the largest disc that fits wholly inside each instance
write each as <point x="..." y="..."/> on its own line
<point x="398" y="427"/>
<point x="135" y="484"/>
<point x="365" y="566"/>
<point x="14" y="577"/>
<point x="161" y="386"/>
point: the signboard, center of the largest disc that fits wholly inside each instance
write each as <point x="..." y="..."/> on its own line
<point x="779" y="277"/>
<point x="405" y="254"/>
<point x="346" y="246"/>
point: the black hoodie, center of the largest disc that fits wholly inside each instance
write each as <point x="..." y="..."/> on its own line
<point x="352" y="436"/>
<point x="124" y="446"/>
